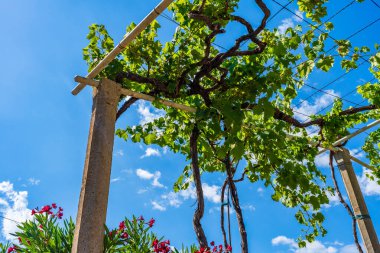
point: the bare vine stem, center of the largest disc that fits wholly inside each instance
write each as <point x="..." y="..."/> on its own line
<point x="236" y="203"/>
<point x="198" y="214"/>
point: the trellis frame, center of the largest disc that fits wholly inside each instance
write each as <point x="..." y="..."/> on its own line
<point x="92" y="210"/>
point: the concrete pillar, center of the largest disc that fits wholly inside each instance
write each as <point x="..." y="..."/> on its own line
<point x="367" y="231"/>
<point x="92" y="210"/>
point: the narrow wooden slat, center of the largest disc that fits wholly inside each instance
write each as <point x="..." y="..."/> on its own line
<point x="139" y="95"/>
<point x="125" y="42"/>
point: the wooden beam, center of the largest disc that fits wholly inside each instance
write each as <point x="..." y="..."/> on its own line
<point x="135" y="94"/>
<point x="346" y="138"/>
<point x="129" y="37"/>
<point x="93" y="201"/>
<point x="358" y="204"/>
<point x="353" y="158"/>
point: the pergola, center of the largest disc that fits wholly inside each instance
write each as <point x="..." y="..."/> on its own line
<point x="92" y="209"/>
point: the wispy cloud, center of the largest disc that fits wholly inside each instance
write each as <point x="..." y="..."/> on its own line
<point x="146" y="175"/>
<point x="33" y="181"/>
<point x="313" y="247"/>
<point x="141" y="191"/>
<point x="323" y="160"/>
<point x="368" y="186"/>
<point x="148" y="113"/>
<point x="313" y="107"/>
<point x="157" y="206"/>
<point x="119" y="153"/>
<point x="116" y="179"/>
<point x="210" y="192"/>
<point x="290" y="22"/>
<point x="151" y="152"/>
<point x="13" y="206"/>
<point x="333" y="200"/>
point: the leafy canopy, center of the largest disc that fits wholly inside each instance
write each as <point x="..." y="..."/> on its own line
<point x="243" y="95"/>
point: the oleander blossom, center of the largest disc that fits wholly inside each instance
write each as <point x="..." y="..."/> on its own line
<point x="161" y="247"/>
<point x="215" y="249"/>
<point x="50" y="210"/>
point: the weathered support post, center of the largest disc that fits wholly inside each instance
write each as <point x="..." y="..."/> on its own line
<point x="355" y="195"/>
<point x="92" y="209"/>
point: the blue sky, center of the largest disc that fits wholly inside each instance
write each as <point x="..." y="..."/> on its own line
<point x="44" y="128"/>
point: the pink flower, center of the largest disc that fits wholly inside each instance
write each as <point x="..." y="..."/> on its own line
<point x="11" y="249"/>
<point x="151" y="222"/>
<point x="125" y="235"/>
<point x="122" y="225"/>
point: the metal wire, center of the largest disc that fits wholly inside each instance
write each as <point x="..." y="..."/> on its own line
<point x="5" y="218"/>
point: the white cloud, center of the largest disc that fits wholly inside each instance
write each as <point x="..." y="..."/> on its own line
<point x="368" y="187"/>
<point x="285" y="24"/>
<point x="349" y="249"/>
<point x="248" y="207"/>
<point x="34" y="181"/>
<point x="141" y="191"/>
<point x="146" y="115"/>
<point x="146" y="175"/>
<point x="298" y="17"/>
<point x="116" y="179"/>
<point x="155" y="182"/>
<point x="13" y="206"/>
<point x="283" y="240"/>
<point x="314" y="247"/>
<point x="173" y="199"/>
<point x="307" y="108"/>
<point x="127" y="171"/>
<point x="119" y="153"/>
<point x="211" y="192"/>
<point x="151" y="152"/>
<point x="290" y="22"/>
<point x="157" y="206"/>
<point x="333" y="200"/>
<point x="323" y="160"/>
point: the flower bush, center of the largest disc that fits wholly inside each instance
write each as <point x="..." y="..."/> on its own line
<point x="45" y="233"/>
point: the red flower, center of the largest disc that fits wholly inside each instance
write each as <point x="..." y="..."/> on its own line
<point x="54" y="205"/>
<point x="122" y="225"/>
<point x="125" y="235"/>
<point x="229" y="248"/>
<point x="212" y="243"/>
<point x="141" y="218"/>
<point x="11" y="249"/>
<point x="34" y="212"/>
<point x="151" y="222"/>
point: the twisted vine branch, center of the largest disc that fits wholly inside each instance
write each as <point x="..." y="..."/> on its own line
<point x="198" y="186"/>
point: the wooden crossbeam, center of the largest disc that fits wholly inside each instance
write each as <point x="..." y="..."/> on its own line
<point x="126" y="92"/>
<point x="350" y="136"/>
